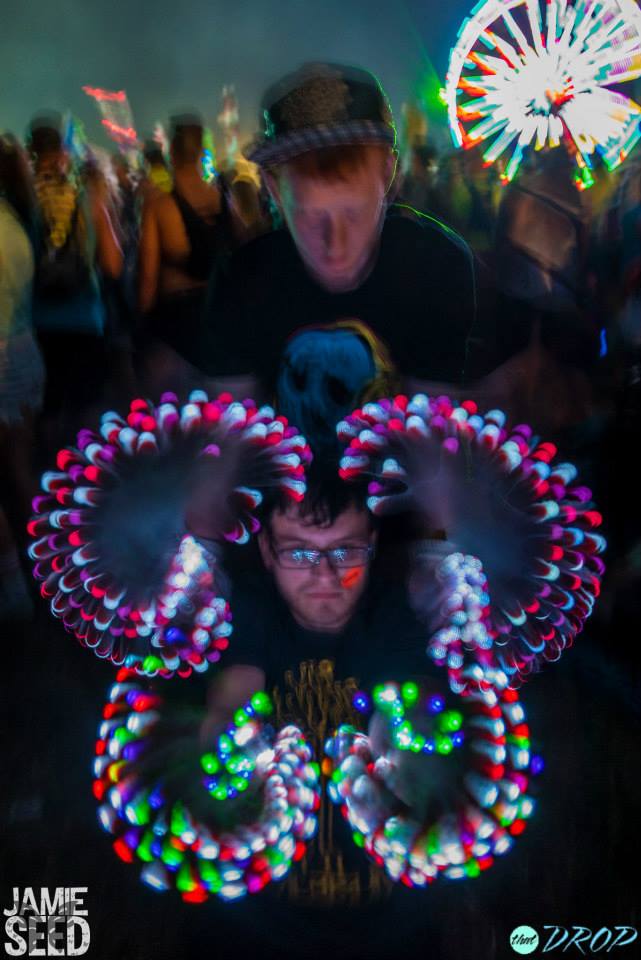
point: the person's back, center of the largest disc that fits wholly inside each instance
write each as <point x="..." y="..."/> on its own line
<point x="75" y="239"/>
<point x="183" y="234"/>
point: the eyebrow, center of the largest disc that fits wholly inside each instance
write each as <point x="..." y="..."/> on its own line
<point x="343" y="542"/>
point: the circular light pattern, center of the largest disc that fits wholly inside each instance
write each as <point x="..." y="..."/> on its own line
<point x="140" y="802"/>
<point x="490" y="805"/>
<point x="110" y="548"/>
<point x="230" y="768"/>
<point x="393" y="702"/>
<point x="526" y="73"/>
<point x="507" y="502"/>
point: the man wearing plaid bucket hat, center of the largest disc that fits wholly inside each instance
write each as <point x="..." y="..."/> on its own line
<point x="328" y="157"/>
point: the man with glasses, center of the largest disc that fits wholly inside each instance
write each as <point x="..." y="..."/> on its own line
<point x="318" y="598"/>
<point x="322" y="620"/>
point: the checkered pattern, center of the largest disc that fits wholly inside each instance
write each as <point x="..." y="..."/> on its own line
<point x="269" y="152"/>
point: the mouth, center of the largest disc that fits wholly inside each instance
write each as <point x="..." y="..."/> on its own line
<point x="324" y="596"/>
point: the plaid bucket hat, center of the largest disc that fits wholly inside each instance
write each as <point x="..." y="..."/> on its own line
<point x="321" y="105"/>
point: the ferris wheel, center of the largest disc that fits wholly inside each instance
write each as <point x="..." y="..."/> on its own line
<point x="528" y="74"/>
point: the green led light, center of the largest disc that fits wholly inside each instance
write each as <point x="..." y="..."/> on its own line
<point x="178" y="820"/>
<point x="409" y="693"/>
<point x="184" y="881"/>
<point x="261" y="703"/>
<point x="443" y="744"/>
<point x="141" y="813"/>
<point x="240" y="717"/>
<point x="151" y="664"/>
<point x="210" y="763"/>
<point x="450" y="721"/>
<point x="521" y="742"/>
<point x="122" y="735"/>
<point x="144" y="847"/>
<point x="210" y="876"/>
<point x="472" y="868"/>
<point x="359" y="839"/>
<point x="170" y="856"/>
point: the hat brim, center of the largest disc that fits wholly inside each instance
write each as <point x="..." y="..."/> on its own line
<point x="271" y="152"/>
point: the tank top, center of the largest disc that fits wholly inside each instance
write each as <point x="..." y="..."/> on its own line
<point x="206" y="240"/>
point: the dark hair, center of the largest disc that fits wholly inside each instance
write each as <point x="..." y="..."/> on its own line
<point x="45" y="134"/>
<point x="152" y="152"/>
<point x="186" y="138"/>
<point x="326" y="498"/>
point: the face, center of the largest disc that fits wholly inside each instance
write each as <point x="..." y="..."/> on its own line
<point x="336" y="225"/>
<point x="321" y="598"/>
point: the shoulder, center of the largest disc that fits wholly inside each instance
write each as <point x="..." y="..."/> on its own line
<point x="408" y="229"/>
<point x="265" y="250"/>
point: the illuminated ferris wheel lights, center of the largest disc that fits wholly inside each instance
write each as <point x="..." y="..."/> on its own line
<point x="539" y="90"/>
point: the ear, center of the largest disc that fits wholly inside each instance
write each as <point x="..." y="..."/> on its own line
<point x="265" y="549"/>
<point x="271" y="182"/>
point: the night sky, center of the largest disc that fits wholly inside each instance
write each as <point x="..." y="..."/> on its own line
<point x="170" y="55"/>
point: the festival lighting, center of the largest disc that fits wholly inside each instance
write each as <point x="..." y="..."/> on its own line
<point x="238" y="751"/>
<point x="528" y="74"/>
<point x="116" y="116"/>
<point x="487" y="806"/>
<point x="110" y="545"/>
<point x="531" y="523"/>
<point x="154" y="826"/>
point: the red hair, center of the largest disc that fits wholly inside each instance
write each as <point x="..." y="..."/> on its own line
<point x="333" y="163"/>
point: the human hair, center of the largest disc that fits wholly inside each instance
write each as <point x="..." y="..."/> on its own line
<point x="186" y="139"/>
<point x="45" y="134"/>
<point x="332" y="164"/>
<point x="152" y="152"/>
<point x="16" y="184"/>
<point x="326" y="497"/>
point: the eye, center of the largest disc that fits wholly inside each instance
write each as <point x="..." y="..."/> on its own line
<point x="298" y="556"/>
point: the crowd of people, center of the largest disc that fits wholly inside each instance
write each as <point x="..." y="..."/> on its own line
<point x="325" y="271"/>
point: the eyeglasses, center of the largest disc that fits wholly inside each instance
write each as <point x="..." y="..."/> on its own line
<point x="301" y="558"/>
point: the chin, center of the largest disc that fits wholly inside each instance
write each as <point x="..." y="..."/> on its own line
<point x="327" y="618"/>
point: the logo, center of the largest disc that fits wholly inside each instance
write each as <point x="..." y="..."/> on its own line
<point x="526" y="939"/>
<point x="47" y="924"/>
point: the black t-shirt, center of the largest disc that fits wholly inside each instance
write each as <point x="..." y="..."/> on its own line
<point x="382" y="641"/>
<point x="419" y="299"/>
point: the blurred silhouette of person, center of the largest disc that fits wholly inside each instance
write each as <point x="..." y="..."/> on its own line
<point x="419" y="189"/>
<point x="183" y="233"/>
<point x="21" y="370"/>
<point x="549" y="340"/>
<point x="157" y="175"/>
<point x="76" y="241"/>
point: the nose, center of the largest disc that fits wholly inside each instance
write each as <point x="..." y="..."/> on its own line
<point x="335" y="238"/>
<point x="324" y="570"/>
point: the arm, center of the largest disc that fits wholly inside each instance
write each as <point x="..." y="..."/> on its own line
<point x="149" y="258"/>
<point x="108" y="252"/>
